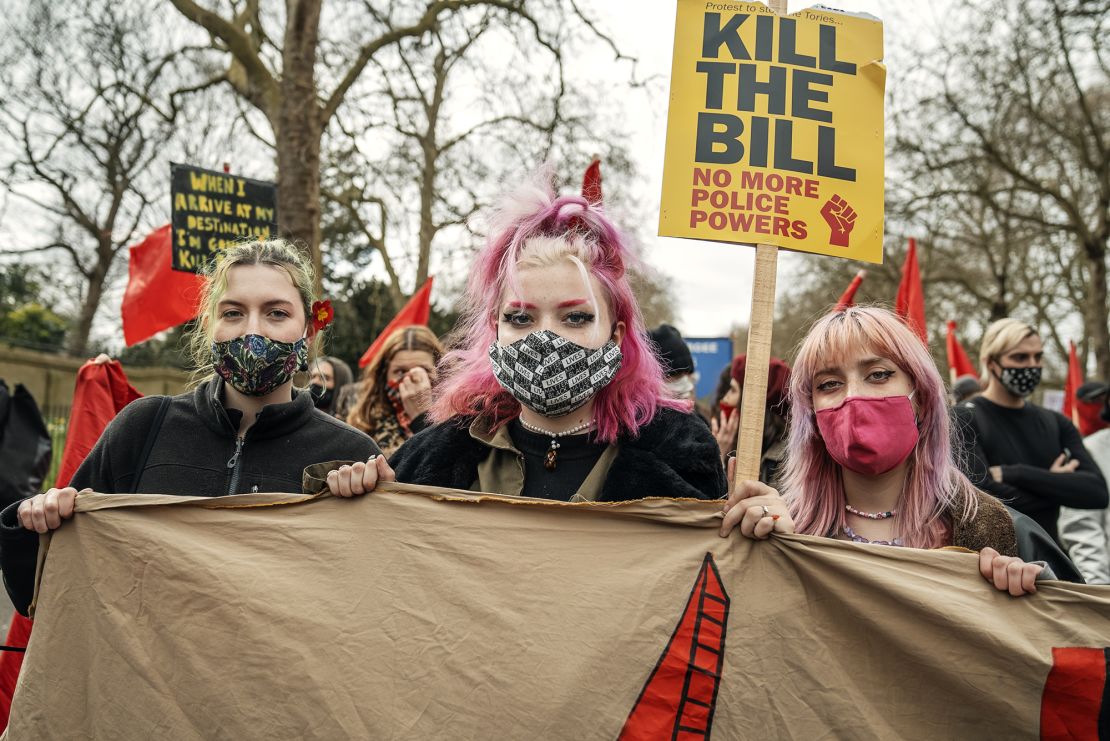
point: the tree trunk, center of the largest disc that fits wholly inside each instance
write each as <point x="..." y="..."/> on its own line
<point x="1096" y="313"/>
<point x="429" y="147"/>
<point x="299" y="130"/>
<point x="427" y="227"/>
<point x="1000" y="308"/>
<point x="78" y="342"/>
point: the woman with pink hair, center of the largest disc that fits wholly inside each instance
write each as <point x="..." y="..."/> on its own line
<point x="552" y="389"/>
<point x="869" y="458"/>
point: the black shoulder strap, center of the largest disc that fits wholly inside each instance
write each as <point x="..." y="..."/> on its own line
<point x="151" y="436"/>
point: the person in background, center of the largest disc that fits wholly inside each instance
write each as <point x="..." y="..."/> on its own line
<point x="678" y="364"/>
<point x="1085" y="533"/>
<point x="25" y="445"/>
<point x="392" y="400"/>
<point x="775" y="416"/>
<point x="724" y="386"/>
<point x="552" y="389"/>
<point x="965" y="388"/>
<point x="244" y="428"/>
<point x="870" y="458"/>
<point x="328" y="376"/>
<point x="1090" y="404"/>
<point x="1031" y="458"/>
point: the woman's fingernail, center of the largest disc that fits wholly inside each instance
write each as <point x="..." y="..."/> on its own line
<point x="775" y="518"/>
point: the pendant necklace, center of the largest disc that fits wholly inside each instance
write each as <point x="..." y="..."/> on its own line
<point x="551" y="459"/>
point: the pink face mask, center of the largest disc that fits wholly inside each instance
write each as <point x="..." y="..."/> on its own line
<point x="869" y="434"/>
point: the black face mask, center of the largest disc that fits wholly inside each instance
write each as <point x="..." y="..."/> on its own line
<point x="1019" y="381"/>
<point x="321" y="396"/>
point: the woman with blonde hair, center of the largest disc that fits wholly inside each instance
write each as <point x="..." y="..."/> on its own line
<point x="869" y="458"/>
<point x="392" y="399"/>
<point x="243" y="428"/>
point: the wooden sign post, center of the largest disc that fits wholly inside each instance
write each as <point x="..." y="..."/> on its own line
<point x="761" y="324"/>
<point x="774" y="138"/>
<point x="749" y="444"/>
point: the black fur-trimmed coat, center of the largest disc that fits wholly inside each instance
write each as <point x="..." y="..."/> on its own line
<point x="674" y="455"/>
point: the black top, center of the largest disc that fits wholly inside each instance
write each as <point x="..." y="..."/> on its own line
<point x="674" y="455"/>
<point x="1024" y="443"/>
<point x="574" y="459"/>
<point x="194" y="454"/>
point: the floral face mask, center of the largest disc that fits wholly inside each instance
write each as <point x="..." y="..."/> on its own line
<point x="256" y="365"/>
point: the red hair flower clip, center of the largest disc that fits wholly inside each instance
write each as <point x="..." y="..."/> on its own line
<point x="322" y="314"/>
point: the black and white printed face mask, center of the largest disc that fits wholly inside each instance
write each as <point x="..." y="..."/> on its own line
<point x="550" y="374"/>
<point x="1020" y="381"/>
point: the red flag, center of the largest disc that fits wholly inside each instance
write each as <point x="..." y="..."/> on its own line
<point x="910" y="302"/>
<point x="102" y="391"/>
<point x="1072" y="384"/>
<point x="157" y="297"/>
<point x="959" y="364"/>
<point x="1086" y="415"/>
<point x="416" y="311"/>
<point x="591" y="181"/>
<point x="848" y="298"/>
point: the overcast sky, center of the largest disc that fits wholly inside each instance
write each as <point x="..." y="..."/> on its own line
<point x="712" y="281"/>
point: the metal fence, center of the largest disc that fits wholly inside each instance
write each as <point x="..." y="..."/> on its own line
<point x="57" y="422"/>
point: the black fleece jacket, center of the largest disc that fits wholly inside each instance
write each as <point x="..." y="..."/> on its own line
<point x="674" y="455"/>
<point x="197" y="452"/>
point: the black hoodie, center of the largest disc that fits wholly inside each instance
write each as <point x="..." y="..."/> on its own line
<point x="197" y="452"/>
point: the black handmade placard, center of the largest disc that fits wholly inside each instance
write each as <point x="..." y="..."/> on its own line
<point x="212" y="210"/>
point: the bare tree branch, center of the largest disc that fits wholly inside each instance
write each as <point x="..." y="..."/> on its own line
<point x="260" y="85"/>
<point x="426" y="23"/>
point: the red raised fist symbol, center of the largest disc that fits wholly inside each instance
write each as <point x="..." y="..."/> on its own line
<point x="841" y="218"/>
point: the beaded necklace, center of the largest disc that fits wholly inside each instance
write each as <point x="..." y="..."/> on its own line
<point x="552" y="458"/>
<point x="870" y="515"/>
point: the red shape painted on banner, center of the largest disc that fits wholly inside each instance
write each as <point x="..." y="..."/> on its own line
<point x="679" y="697"/>
<point x="1074" y="702"/>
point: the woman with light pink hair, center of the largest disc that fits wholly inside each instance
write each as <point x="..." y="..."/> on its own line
<point x="869" y="458"/>
<point x="552" y="389"/>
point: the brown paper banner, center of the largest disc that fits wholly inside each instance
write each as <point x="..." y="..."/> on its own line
<point x="423" y="613"/>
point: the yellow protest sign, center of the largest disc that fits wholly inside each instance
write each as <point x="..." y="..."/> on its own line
<point x="775" y="129"/>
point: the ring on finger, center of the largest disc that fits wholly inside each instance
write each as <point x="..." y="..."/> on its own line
<point x="766" y="511"/>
